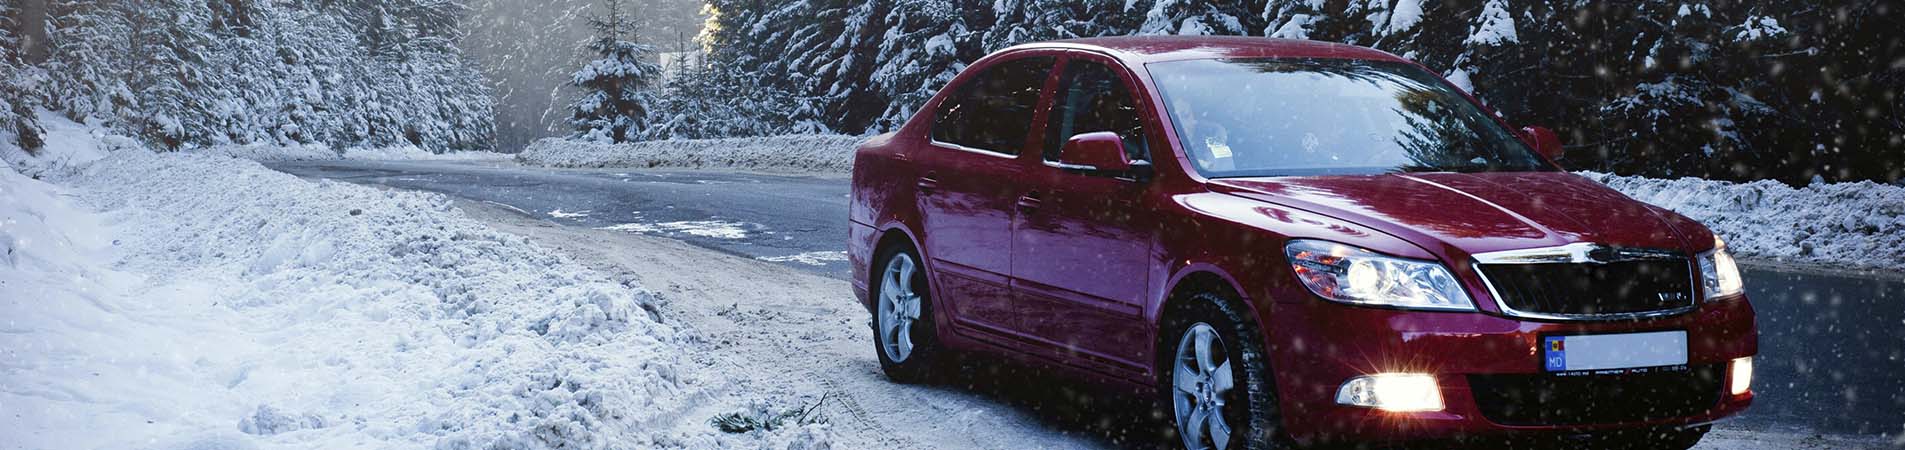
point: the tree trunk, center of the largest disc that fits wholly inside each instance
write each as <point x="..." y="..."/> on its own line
<point x="32" y="22"/>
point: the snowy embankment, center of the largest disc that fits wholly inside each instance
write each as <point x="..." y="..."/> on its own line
<point x="317" y="152"/>
<point x="78" y="144"/>
<point x="819" y="153"/>
<point x="1858" y="225"/>
<point x="198" y="301"/>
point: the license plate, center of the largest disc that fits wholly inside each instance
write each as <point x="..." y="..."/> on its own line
<point x="1595" y="352"/>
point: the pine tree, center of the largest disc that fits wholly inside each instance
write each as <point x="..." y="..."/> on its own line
<point x="1201" y="17"/>
<point x="167" y="42"/>
<point x="189" y="73"/>
<point x="615" y="100"/>
<point x="1022" y="21"/>
<point x="89" y="63"/>
<point x="1740" y="89"/>
<point x="705" y="101"/>
<point x="927" y="43"/>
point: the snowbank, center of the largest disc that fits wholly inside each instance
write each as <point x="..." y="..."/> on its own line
<point x="219" y="304"/>
<point x="77" y="145"/>
<point x="1839" y="224"/>
<point x="73" y="144"/>
<point x="822" y="153"/>
<point x="317" y="152"/>
<point x="271" y="152"/>
<point x="418" y="154"/>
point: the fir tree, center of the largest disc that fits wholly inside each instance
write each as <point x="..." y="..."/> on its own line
<point x="1742" y="89"/>
<point x="191" y="73"/>
<point x="704" y="101"/>
<point x="615" y="102"/>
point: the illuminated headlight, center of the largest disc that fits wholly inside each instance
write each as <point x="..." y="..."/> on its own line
<point x="1739" y="377"/>
<point x="1398" y="392"/>
<point x="1718" y="273"/>
<point x="1352" y="275"/>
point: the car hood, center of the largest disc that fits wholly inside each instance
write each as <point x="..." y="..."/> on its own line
<point x="1481" y="212"/>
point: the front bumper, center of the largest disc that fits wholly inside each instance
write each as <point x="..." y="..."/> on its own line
<point x="1317" y="345"/>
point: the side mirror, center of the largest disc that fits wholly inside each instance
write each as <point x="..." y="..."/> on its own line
<point x="1100" y="154"/>
<point x="1544" y="141"/>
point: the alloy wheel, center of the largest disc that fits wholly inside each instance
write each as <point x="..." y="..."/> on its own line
<point x="1202" y="382"/>
<point x="898" y="307"/>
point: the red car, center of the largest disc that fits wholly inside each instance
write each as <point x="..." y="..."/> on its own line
<point x="1289" y="242"/>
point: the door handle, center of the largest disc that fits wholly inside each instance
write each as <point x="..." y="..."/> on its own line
<point x="1029" y="201"/>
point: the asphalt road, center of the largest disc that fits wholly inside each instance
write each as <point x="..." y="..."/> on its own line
<point x="797" y="221"/>
<point x="1832" y="347"/>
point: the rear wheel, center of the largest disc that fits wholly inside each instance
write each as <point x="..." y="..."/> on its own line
<point x="903" y="331"/>
<point x="1216" y="378"/>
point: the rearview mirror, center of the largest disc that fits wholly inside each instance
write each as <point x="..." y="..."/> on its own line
<point x="1100" y="154"/>
<point x="1544" y="141"/>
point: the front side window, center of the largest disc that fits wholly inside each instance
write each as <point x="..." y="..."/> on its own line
<point x="1277" y="117"/>
<point x="993" y="110"/>
<point x="1092" y="98"/>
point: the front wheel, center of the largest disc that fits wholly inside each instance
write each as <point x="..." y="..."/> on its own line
<point x="1217" y="380"/>
<point x="903" y="331"/>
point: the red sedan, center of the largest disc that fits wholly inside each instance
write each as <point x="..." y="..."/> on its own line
<point x="1289" y="242"/>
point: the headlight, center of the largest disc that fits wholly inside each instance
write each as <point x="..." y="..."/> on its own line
<point x="1352" y="275"/>
<point x="1718" y="273"/>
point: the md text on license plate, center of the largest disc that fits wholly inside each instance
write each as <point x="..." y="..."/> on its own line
<point x="1614" y="353"/>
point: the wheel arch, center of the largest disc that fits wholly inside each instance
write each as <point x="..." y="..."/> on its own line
<point x="1189" y="280"/>
<point x="1201" y="277"/>
<point x="892" y="234"/>
<point x="895" y="234"/>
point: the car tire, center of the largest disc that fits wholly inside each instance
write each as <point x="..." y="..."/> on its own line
<point x="904" y="334"/>
<point x="1248" y="406"/>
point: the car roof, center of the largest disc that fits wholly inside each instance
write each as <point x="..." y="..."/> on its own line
<point x="1146" y="49"/>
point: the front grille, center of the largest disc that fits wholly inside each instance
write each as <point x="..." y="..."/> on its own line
<point x="1544" y="399"/>
<point x="1588" y="289"/>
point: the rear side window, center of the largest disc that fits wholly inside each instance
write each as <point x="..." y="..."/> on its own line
<point x="1092" y="98"/>
<point x="993" y="110"/>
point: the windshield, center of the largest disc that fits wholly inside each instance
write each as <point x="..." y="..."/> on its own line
<point x="1276" y="117"/>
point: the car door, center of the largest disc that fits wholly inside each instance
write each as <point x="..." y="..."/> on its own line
<point x="1081" y="244"/>
<point x="966" y="187"/>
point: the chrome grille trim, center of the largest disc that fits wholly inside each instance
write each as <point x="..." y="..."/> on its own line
<point x="1584" y="253"/>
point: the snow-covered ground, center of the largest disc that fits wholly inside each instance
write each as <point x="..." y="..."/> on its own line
<point x="829" y="154"/>
<point x="79" y="144"/>
<point x="1837" y="224"/>
<point x="273" y="152"/>
<point x="193" y="301"/>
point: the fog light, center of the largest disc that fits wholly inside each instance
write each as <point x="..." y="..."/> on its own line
<point x="1740" y="376"/>
<point x="1400" y="392"/>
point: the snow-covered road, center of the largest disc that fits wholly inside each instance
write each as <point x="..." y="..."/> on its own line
<point x="783" y="333"/>
<point x="1830" y="356"/>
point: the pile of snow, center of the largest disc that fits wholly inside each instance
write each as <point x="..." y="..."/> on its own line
<point x="219" y="304"/>
<point x="271" y="152"/>
<point x="320" y="152"/>
<point x="80" y="144"/>
<point x="1858" y="224"/>
<point x="809" y="153"/>
<point x="412" y="153"/>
